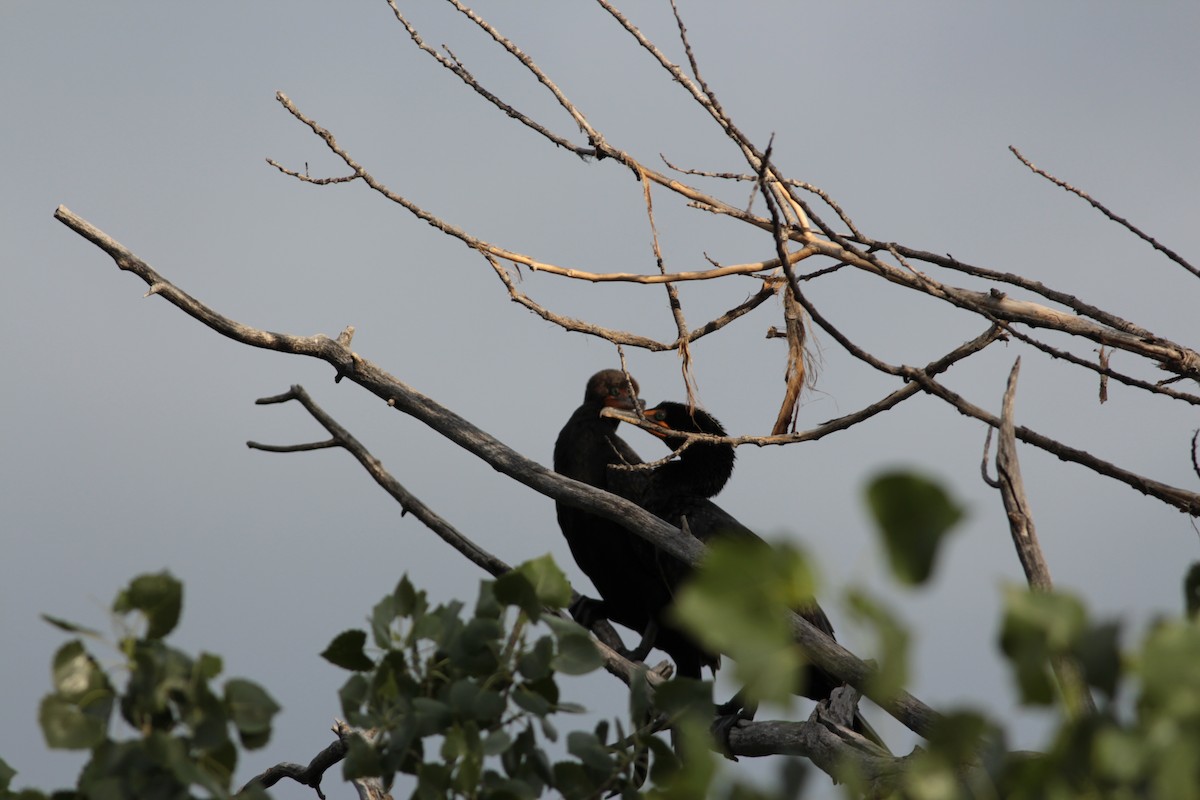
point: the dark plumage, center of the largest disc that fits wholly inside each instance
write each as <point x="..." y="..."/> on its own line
<point x="616" y="561"/>
<point x="679" y="492"/>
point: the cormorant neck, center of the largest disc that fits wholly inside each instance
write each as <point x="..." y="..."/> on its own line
<point x="702" y="469"/>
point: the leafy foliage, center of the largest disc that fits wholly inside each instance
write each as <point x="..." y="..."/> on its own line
<point x="467" y="701"/>
<point x="466" y="704"/>
<point x="182" y="724"/>
<point x="736" y="605"/>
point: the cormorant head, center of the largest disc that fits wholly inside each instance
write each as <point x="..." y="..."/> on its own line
<point x="611" y="388"/>
<point x="678" y="417"/>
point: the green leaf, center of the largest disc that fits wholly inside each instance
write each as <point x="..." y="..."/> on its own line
<point x="1039" y="626"/>
<point x="68" y="626"/>
<point x="6" y="775"/>
<point x="737" y="604"/>
<point x="383" y="615"/>
<point x="1170" y="680"/>
<point x="533" y="585"/>
<point x="476" y="648"/>
<point x="497" y="742"/>
<point x="534" y="663"/>
<point x="685" y="697"/>
<point x="891" y="638"/>
<point x="1191" y="590"/>
<point x="913" y="514"/>
<point x="346" y="651"/>
<point x="159" y="597"/>
<point x="1098" y="652"/>
<point x="362" y="760"/>
<point x="353" y="695"/>
<point x="640" y="700"/>
<point x="208" y="666"/>
<point x="588" y="749"/>
<point x="251" y="709"/>
<point x="409" y="601"/>
<point x="67" y="726"/>
<point x="577" y="654"/>
<point x="76" y="716"/>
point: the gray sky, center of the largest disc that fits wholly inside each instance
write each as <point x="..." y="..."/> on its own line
<point x="124" y="435"/>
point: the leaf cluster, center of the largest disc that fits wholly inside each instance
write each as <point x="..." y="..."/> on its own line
<point x="465" y="703"/>
<point x="186" y="730"/>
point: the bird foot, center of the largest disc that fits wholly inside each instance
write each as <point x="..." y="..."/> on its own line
<point x="727" y="717"/>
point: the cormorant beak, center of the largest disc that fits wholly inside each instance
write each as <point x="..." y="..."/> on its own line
<point x="623" y="401"/>
<point x="644" y="422"/>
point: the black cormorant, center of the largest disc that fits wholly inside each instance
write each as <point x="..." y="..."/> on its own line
<point x="679" y="492"/>
<point x="616" y="561"/>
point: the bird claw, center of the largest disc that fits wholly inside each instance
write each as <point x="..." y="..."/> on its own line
<point x="724" y="723"/>
<point x="727" y="717"/>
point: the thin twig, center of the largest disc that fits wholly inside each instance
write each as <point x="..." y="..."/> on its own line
<point x="1126" y="224"/>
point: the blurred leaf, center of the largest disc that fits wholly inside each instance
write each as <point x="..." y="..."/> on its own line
<point x="588" y="749"/>
<point x="497" y="742"/>
<point x="914" y="514"/>
<point x="67" y="726"/>
<point x="409" y="601"/>
<point x="476" y="649"/>
<point x="346" y="651"/>
<point x="76" y="716"/>
<point x="533" y="585"/>
<point x="353" y="695"/>
<point x="640" y="700"/>
<point x="891" y="637"/>
<point x="691" y="776"/>
<point x="577" y="654"/>
<point x="1191" y="590"/>
<point x="251" y="709"/>
<point x="362" y="760"/>
<point x="958" y="736"/>
<point x="68" y="626"/>
<point x="534" y="663"/>
<point x="1168" y="669"/>
<point x="208" y="666"/>
<point x="537" y="697"/>
<point x="1119" y="755"/>
<point x="486" y="605"/>
<point x="1037" y="627"/>
<point x="6" y="775"/>
<point x="685" y="697"/>
<point x="1098" y="653"/>
<point x="159" y="597"/>
<point x="736" y="604"/>
<point x="383" y="615"/>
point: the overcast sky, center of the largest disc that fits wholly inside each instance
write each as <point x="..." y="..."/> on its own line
<point x="123" y="437"/>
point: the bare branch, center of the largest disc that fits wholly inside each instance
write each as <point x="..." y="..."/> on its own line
<point x="455" y="66"/>
<point x="310" y="775"/>
<point x="1103" y="369"/>
<point x="1020" y="520"/>
<point x="1168" y="252"/>
<point x="1012" y="491"/>
<point x="1188" y="502"/>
